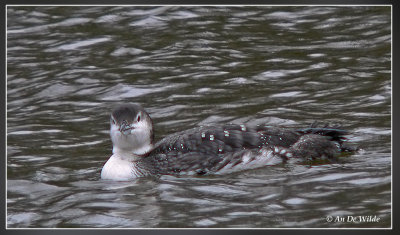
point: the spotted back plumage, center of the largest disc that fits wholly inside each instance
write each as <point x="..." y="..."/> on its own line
<point x="213" y="148"/>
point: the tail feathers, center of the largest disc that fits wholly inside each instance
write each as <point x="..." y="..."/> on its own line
<point x="317" y="143"/>
<point x="348" y="148"/>
<point x="334" y="132"/>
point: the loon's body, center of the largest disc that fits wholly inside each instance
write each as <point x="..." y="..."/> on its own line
<point x="208" y="150"/>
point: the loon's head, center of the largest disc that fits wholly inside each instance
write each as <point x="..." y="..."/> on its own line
<point x="131" y="129"/>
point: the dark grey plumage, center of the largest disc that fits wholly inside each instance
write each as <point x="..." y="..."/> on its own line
<point x="126" y="112"/>
<point x="208" y="149"/>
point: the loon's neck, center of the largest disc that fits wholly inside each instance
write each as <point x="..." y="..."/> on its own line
<point x="132" y="154"/>
<point x="123" y="166"/>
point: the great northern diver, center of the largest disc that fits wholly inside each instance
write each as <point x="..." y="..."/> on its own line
<point x="209" y="149"/>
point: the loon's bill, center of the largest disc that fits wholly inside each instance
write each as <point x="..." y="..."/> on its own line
<point x="211" y="149"/>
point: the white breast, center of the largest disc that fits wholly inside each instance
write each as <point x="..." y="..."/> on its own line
<point x="117" y="168"/>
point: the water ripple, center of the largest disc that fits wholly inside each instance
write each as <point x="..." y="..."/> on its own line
<point x="68" y="66"/>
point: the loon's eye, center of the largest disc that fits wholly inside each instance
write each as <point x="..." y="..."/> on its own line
<point x="138" y="118"/>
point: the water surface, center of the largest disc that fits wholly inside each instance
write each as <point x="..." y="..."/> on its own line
<point x="189" y="66"/>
